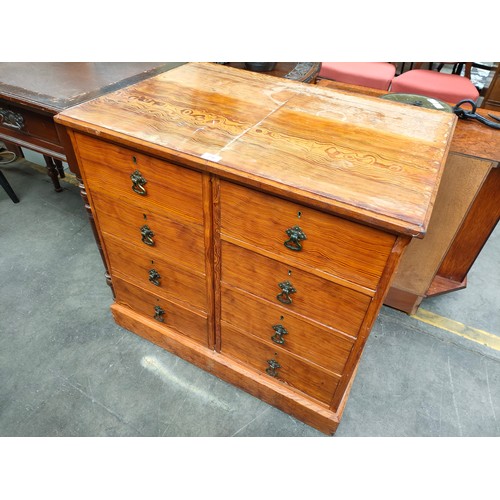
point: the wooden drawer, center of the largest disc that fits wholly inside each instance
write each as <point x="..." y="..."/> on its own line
<point x="172" y="282"/>
<point x="308" y="340"/>
<point x="317" y="298"/>
<point x="293" y="371"/>
<point x="28" y="128"/>
<point x="345" y="249"/>
<point x="107" y="169"/>
<point x="173" y="241"/>
<point x="193" y="325"/>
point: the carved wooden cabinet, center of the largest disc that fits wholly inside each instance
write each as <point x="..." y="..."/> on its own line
<point x="252" y="225"/>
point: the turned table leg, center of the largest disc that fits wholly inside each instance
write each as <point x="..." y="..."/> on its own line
<point x="54" y="171"/>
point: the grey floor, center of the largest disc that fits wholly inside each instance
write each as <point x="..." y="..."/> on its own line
<point x="66" y="369"/>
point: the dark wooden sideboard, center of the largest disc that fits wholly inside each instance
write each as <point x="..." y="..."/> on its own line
<point x="32" y="93"/>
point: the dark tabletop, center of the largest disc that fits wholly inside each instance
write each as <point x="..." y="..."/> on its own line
<point x="55" y="86"/>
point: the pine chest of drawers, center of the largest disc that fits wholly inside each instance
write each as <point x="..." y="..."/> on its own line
<point x="252" y="225"/>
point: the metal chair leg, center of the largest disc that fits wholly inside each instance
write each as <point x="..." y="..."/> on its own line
<point x="5" y="184"/>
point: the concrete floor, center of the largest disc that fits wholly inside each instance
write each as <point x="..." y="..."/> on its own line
<point x="66" y="369"/>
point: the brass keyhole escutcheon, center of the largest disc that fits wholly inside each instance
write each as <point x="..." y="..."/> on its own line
<point x="286" y="289"/>
<point x="295" y="235"/>
<point x="280" y="330"/>
<point x="138" y="182"/>
<point x="154" y="277"/>
<point x="147" y="235"/>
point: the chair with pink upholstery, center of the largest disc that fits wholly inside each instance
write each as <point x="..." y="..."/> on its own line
<point x="376" y="75"/>
<point x="450" y="88"/>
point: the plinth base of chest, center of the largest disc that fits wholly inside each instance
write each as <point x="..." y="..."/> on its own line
<point x="272" y="392"/>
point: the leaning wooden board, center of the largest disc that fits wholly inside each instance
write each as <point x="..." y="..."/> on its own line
<point x="298" y="204"/>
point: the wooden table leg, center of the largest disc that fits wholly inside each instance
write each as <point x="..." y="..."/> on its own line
<point x="59" y="167"/>
<point x="52" y="172"/>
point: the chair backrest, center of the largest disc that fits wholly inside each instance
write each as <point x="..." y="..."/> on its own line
<point x="467" y="67"/>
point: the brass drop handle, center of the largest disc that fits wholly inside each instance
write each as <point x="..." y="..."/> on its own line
<point x="9" y="118"/>
<point x="286" y="289"/>
<point x="159" y="312"/>
<point x="147" y="235"/>
<point x="138" y="182"/>
<point x="295" y="235"/>
<point x="154" y="277"/>
<point x="273" y="366"/>
<point x="280" y="330"/>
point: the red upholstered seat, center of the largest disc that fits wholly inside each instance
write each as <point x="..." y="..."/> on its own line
<point x="449" y="88"/>
<point x="376" y="75"/>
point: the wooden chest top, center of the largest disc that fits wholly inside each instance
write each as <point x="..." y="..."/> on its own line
<point x="367" y="159"/>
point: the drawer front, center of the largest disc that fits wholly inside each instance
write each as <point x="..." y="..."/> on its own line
<point x="285" y="330"/>
<point x="193" y="325"/>
<point x="27" y="125"/>
<point x="345" y="249"/>
<point x="108" y="169"/>
<point x="314" y="297"/>
<point x="171" y="240"/>
<point x="156" y="275"/>
<point x="312" y="380"/>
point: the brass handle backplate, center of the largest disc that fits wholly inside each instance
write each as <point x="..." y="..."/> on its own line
<point x="286" y="289"/>
<point x="278" y="336"/>
<point x="154" y="277"/>
<point x="147" y="235"/>
<point x="295" y="235"/>
<point x="11" y="119"/>
<point x="138" y="182"/>
<point x="273" y="366"/>
<point x="159" y="312"/>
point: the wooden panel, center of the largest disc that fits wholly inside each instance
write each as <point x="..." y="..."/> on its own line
<point x="461" y="181"/>
<point x="327" y="302"/>
<point x="402" y="300"/>
<point x="305" y="377"/>
<point x="475" y="231"/>
<point x="132" y="262"/>
<point x="185" y="321"/>
<point x="367" y="159"/>
<point x="329" y="242"/>
<point x="174" y="189"/>
<point x="323" y="346"/>
<point x="173" y="241"/>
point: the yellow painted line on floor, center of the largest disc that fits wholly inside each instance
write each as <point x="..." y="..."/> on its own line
<point x="450" y="325"/>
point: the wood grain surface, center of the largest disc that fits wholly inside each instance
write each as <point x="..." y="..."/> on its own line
<point x="367" y="159"/>
<point x="327" y="302"/>
<point x="177" y="242"/>
<point x="134" y="263"/>
<point x="293" y="371"/>
<point x="470" y="137"/>
<point x="175" y="190"/>
<point x="329" y="240"/>
<point x="185" y="321"/>
<point x="306" y="338"/>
